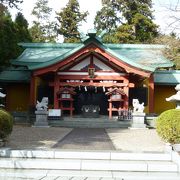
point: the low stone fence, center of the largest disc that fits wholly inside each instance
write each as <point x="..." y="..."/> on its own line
<point x="125" y="114"/>
<point x="23" y="117"/>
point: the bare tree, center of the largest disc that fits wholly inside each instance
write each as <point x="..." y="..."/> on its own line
<point x="174" y="17"/>
<point x="11" y="3"/>
<point x="172" y="50"/>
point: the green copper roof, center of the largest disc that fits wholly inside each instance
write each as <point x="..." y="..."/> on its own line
<point x="141" y="55"/>
<point x="40" y="55"/>
<point x="167" y="77"/>
<point x="145" y="57"/>
<point x="15" y="75"/>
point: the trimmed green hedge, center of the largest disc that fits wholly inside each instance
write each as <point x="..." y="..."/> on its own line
<point x="6" y="124"/>
<point x="168" y="126"/>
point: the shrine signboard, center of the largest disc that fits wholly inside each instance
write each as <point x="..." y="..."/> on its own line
<point x="55" y="112"/>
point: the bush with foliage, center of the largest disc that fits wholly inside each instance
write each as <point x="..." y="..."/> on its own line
<point x="6" y="124"/>
<point x="168" y="126"/>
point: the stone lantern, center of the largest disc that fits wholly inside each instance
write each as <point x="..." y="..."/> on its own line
<point x="176" y="97"/>
<point x="2" y="95"/>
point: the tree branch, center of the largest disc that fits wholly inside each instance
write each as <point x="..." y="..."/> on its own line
<point x="11" y="3"/>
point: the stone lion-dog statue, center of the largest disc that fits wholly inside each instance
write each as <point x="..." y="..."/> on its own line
<point x="137" y="107"/>
<point x="43" y="105"/>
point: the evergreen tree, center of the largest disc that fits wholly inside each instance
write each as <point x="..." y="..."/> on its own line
<point x="138" y="14"/>
<point x="8" y="40"/>
<point x="69" y="20"/>
<point x="22" y="31"/>
<point x="136" y="23"/>
<point x="43" y="30"/>
<point x="107" y="18"/>
<point x="125" y="34"/>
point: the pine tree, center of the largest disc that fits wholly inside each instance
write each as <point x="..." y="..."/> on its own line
<point x="138" y="14"/>
<point x="136" y="23"/>
<point x="69" y="20"/>
<point x="107" y="18"/>
<point x="8" y="40"/>
<point x="22" y="31"/>
<point x="43" y="29"/>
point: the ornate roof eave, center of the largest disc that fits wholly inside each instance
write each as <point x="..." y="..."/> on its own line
<point x="75" y="50"/>
<point x="71" y="90"/>
<point x="115" y="89"/>
<point x="93" y="48"/>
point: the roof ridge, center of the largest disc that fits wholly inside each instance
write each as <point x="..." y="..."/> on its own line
<point x="137" y="46"/>
<point x="49" y="45"/>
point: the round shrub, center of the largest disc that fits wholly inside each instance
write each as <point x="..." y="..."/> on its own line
<point x="168" y="126"/>
<point x="6" y="124"/>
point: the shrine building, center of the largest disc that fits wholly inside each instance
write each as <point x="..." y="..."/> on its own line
<point x="72" y="75"/>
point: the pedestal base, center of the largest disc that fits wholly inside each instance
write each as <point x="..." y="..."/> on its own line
<point x="41" y="119"/>
<point x="138" y="121"/>
<point x="178" y="105"/>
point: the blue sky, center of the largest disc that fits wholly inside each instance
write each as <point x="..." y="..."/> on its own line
<point x="161" y="12"/>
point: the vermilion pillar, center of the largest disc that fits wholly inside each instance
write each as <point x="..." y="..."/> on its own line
<point x="126" y="98"/>
<point x="56" y="89"/>
<point x="32" y="91"/>
<point x="151" y="94"/>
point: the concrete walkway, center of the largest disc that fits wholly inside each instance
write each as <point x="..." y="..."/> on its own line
<point x="24" y="137"/>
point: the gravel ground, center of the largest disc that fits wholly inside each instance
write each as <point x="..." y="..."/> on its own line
<point x="24" y="137"/>
<point x="136" y="140"/>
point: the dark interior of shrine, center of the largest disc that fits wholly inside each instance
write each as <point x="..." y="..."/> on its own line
<point x="92" y="96"/>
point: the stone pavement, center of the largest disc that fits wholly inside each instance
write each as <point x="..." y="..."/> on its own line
<point x="78" y="175"/>
<point x="136" y="140"/>
<point x="24" y="137"/>
<point x="86" y="139"/>
<point x="27" y="137"/>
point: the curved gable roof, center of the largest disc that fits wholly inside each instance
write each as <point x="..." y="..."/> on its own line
<point x="141" y="56"/>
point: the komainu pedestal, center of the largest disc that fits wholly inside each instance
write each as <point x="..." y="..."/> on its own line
<point x="41" y="118"/>
<point x="138" y="116"/>
<point x="42" y="113"/>
<point x="138" y="120"/>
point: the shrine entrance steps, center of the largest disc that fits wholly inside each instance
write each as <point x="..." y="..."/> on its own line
<point x="80" y="122"/>
<point x="86" y="165"/>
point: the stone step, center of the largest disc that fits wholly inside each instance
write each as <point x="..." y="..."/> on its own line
<point x="90" y="124"/>
<point x="17" y="174"/>
<point x="92" y="165"/>
<point x="88" y="155"/>
<point x="86" y="160"/>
